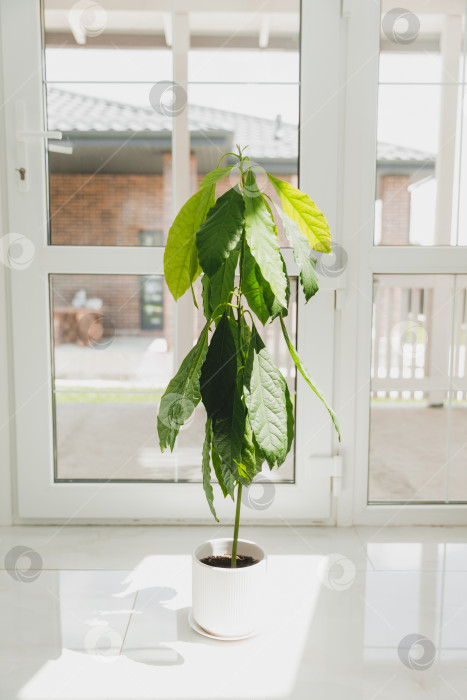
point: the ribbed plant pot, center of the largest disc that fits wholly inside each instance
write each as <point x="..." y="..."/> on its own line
<point x="229" y="602"/>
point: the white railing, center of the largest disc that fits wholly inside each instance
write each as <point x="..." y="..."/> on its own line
<point x="418" y="335"/>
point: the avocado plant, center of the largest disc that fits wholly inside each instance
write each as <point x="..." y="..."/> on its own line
<point x="233" y="243"/>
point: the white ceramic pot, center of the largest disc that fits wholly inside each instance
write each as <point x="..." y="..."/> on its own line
<point x="229" y="602"/>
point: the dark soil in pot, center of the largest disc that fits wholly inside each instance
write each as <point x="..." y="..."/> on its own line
<point x="224" y="561"/>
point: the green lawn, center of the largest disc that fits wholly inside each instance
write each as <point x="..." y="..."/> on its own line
<point x="90" y="395"/>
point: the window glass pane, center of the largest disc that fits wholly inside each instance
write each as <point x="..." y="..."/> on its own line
<point x="260" y="66"/>
<point x="110" y="177"/>
<point x="110" y="183"/>
<point x="419" y="125"/>
<point x="462" y="227"/>
<point x="396" y="66"/>
<point x="262" y="113"/>
<point x="409" y="149"/>
<point x="261" y="45"/>
<point x="418" y="388"/>
<point x="413" y="42"/>
<point x="113" y="355"/>
<point x="106" y="41"/>
<point x="108" y="72"/>
<point x="404" y="464"/>
<point x="112" y="331"/>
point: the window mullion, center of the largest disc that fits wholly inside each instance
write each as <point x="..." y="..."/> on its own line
<point x="181" y="168"/>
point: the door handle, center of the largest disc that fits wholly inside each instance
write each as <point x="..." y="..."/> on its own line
<point x="23" y="137"/>
<point x="26" y="135"/>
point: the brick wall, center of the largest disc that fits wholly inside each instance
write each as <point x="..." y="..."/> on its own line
<point x="395" y="197"/>
<point x="105" y="209"/>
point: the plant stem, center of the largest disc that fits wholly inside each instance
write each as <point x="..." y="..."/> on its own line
<point x="237" y="525"/>
<point x="240" y="348"/>
<point x="239" y="301"/>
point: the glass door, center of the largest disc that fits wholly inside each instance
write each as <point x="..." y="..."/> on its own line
<point x="412" y="417"/>
<point x="115" y="118"/>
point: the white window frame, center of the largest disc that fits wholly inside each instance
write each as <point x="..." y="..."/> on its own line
<point x="365" y="260"/>
<point x="36" y="497"/>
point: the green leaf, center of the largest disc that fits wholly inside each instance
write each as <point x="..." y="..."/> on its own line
<point x="246" y="336"/>
<point x="259" y="293"/>
<point x="303" y="256"/>
<point x="193" y="296"/>
<point x="215" y="175"/>
<point x="221" y="442"/>
<point x="206" y="468"/>
<point x="304" y="372"/>
<point x="223" y="282"/>
<point x="182" y="394"/>
<point x="261" y="236"/>
<point x="255" y="288"/>
<point x="181" y="266"/>
<point x="242" y="350"/>
<point x="219" y="370"/>
<point x="290" y="413"/>
<point x="276" y="308"/>
<point x="216" y="463"/>
<point x="221" y="231"/>
<point x="247" y="468"/>
<point x="222" y="400"/>
<point x="228" y="431"/>
<point x="206" y="296"/>
<point x="259" y="457"/>
<point x="266" y="402"/>
<point x="305" y="213"/>
<point x="239" y="418"/>
<point x="222" y="439"/>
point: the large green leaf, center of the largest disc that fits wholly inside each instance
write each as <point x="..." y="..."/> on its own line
<point x="215" y="175"/>
<point x="261" y="236"/>
<point x="266" y="402"/>
<point x="206" y="468"/>
<point x="221" y="231"/>
<point x="182" y="394"/>
<point x="228" y="429"/>
<point x="255" y="288"/>
<point x="304" y="372"/>
<point x="222" y="401"/>
<point x="223" y="282"/>
<point x="303" y="256"/>
<point x="305" y="213"/>
<point x="219" y="370"/>
<point x="181" y="265"/>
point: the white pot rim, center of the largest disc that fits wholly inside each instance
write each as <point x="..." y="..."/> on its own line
<point x="221" y="570"/>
